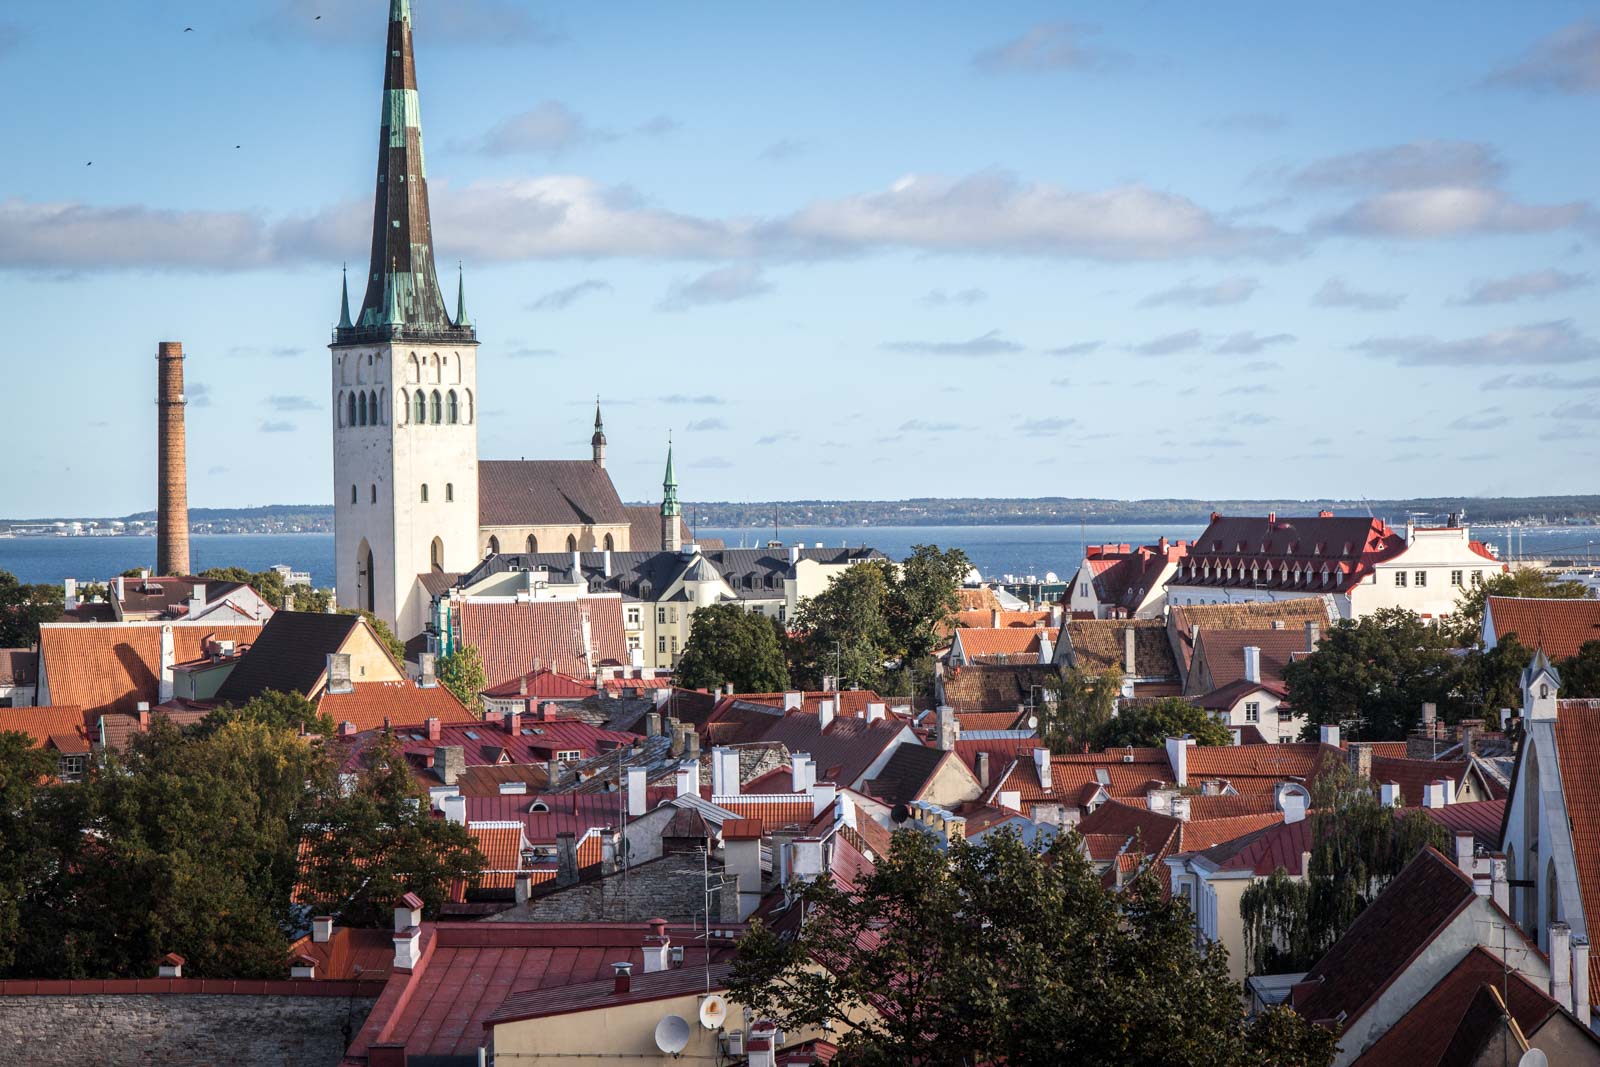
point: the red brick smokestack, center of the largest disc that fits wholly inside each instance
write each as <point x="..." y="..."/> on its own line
<point x="172" y="479"/>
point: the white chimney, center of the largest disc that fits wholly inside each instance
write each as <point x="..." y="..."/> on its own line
<point x="454" y="808"/>
<point x="1252" y="664"/>
<point x="793" y="701"/>
<point x="119" y="586"/>
<point x="1041" y="765"/>
<point x="1330" y="736"/>
<point x="1430" y="712"/>
<point x="69" y="589"/>
<point x="429" y="666"/>
<point x="1011" y="798"/>
<point x="1313" y="635"/>
<point x="577" y="567"/>
<point x="1129" y="661"/>
<point x="657" y="948"/>
<point x="1389" y="794"/>
<point x="636" y="792"/>
<point x="197" y="601"/>
<point x="1580" y="979"/>
<point x="1464" y="851"/>
<point x="877" y="712"/>
<point x="1294" y="807"/>
<point x="322" y="929"/>
<point x="303" y="967"/>
<point x="338" y="670"/>
<point x="948" y="727"/>
<point x="802" y="772"/>
<point x="1499" y="885"/>
<point x="794" y="555"/>
<point x="1047" y="650"/>
<point x="605" y="563"/>
<point x="1178" y="756"/>
<point x="689" y="779"/>
<point x="824" y="714"/>
<point x="1180" y="807"/>
<point x="168" y="658"/>
<point x="1561" y="964"/>
<point x="822" y="797"/>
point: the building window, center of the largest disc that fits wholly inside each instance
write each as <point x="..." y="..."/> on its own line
<point x="672" y="616"/>
<point x="454" y="408"/>
<point x="494" y="546"/>
<point x="420" y="414"/>
<point x="633" y="643"/>
<point x="72" y="767"/>
<point x="1455" y="579"/>
<point x="1083" y="589"/>
<point x="783" y="613"/>
<point x="1252" y="711"/>
<point x="424" y="492"/>
<point x="374" y="492"/>
<point x="633" y="617"/>
<point x="1285" y="715"/>
<point x="1400" y="579"/>
<point x="350" y="417"/>
<point x="568" y="755"/>
<point x="572" y="543"/>
<point x="609" y="543"/>
<point x="674" y="646"/>
<point x="449" y="492"/>
<point x="661" y="645"/>
<point x="352" y="494"/>
<point x="436" y="407"/>
<point x="361" y="409"/>
<point x="661" y="616"/>
<point x="436" y="554"/>
<point x="1422" y="579"/>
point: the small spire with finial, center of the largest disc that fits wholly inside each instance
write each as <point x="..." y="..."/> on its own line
<point x="461" y="296"/>
<point x="344" y="299"/>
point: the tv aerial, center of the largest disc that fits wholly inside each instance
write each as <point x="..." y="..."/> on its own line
<point x="672" y="1035"/>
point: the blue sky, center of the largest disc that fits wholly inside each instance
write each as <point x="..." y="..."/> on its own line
<point x="864" y="251"/>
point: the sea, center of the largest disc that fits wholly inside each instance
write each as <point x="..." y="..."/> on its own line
<point x="1025" y="552"/>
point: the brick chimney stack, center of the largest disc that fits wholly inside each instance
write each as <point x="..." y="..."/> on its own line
<point x="172" y="479"/>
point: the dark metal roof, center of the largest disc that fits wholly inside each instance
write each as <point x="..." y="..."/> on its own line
<point x="289" y="656"/>
<point x="547" y="492"/>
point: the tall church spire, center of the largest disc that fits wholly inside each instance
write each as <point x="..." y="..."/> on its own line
<point x="402" y="292"/>
<point x="671" y="523"/>
<point x="598" y="441"/>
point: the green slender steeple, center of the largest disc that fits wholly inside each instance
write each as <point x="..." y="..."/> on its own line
<point x="461" y="296"/>
<point x="671" y="524"/>
<point x="344" y="300"/>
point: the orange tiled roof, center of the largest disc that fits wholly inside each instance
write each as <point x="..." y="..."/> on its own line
<point x="107" y="667"/>
<point x="369" y="704"/>
<point x="59" y="727"/>
<point x="981" y="599"/>
<point x="1560" y="627"/>
<point x="1201" y="834"/>
<point x="773" y="814"/>
<point x="1003" y="642"/>
<point x="990" y="620"/>
<point x="1577" y="731"/>
<point x="516" y="638"/>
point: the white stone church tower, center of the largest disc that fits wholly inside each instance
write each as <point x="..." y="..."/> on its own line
<point x="404" y="390"/>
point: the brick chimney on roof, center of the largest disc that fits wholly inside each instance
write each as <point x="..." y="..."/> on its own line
<point x="172" y="479"/>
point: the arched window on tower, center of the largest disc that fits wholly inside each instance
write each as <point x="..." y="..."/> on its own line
<point x="453" y="408"/>
<point x="374" y="492"/>
<point x="424" y="492"/>
<point x="361" y="409"/>
<point x="437" y="408"/>
<point x="494" y="545"/>
<point x="413" y="373"/>
<point x="420" y="415"/>
<point x="572" y="543"/>
<point x="533" y="544"/>
<point x="372" y="409"/>
<point x="380" y="408"/>
<point x="352" y="494"/>
<point x="350" y="402"/>
<point x="467" y="414"/>
<point x="436" y="554"/>
<point x="449" y="492"/>
<point x="405" y="406"/>
<point x="609" y="544"/>
<point x="338" y="409"/>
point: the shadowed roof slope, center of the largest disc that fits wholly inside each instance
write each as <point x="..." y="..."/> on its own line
<point x="547" y="492"/>
<point x="289" y="656"/>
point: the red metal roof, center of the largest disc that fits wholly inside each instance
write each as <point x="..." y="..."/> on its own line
<point x="543" y="684"/>
<point x="1265" y="850"/>
<point x="371" y="704"/>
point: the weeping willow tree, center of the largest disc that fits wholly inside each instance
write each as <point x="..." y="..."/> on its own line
<point x="1358" y="846"/>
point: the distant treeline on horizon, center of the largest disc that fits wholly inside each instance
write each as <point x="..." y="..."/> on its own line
<point x="978" y="511"/>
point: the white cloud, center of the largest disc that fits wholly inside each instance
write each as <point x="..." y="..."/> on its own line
<point x="725" y="285"/>
<point x="989" y="344"/>
<point x="1247" y="343"/>
<point x="683" y="398"/>
<point x="707" y="425"/>
<point x="1451" y="211"/>
<point x="1567" y="61"/>
<point x="1483" y="421"/>
<point x="963" y="297"/>
<point x="1218" y="294"/>
<point x="1536" y="343"/>
<point x="1046" y="427"/>
<point x="549" y="127"/>
<point x="1420" y="164"/>
<point x="1045" y="47"/>
<point x="1169" y="344"/>
<point x="291" y="403"/>
<point x="276" y="426"/>
<point x="559" y="299"/>
<point x="1540" y="381"/>
<point x="1335" y="294"/>
<point x="1081" y="348"/>
<point x="927" y="426"/>
<point x="1519" y="286"/>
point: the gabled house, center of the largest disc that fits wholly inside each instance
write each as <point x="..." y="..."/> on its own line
<point x="58" y="729"/>
<point x="1124" y="582"/>
<point x="1560" y="627"/>
<point x="113" y="667"/>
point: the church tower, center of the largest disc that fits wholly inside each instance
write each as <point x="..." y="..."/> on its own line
<point x="404" y="390"/>
<point x="598" y="441"/>
<point x="671" y="529"/>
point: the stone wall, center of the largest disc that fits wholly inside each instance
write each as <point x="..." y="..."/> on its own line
<point x="178" y="1030"/>
<point x="670" y="888"/>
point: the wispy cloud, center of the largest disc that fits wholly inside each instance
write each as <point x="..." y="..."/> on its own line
<point x="775" y="438"/>
<point x="784" y="148"/>
<point x="1048" y="46"/>
<point x="1540" y="381"/>
<point x="1081" y="348"/>
<point x="1249" y="390"/>
<point x="698" y="398"/>
<point x="989" y="344"/>
<point x="707" y="425"/>
<point x="548" y="128"/>
<point x="1217" y="294"/>
<point x="725" y="285"/>
<point x="1169" y="344"/>
<point x="529" y="352"/>
<point x="1487" y="420"/>
<point x="1218" y="442"/>
<point x="198" y="394"/>
<point x="276" y="426"/>
<point x="961" y="297"/>
<point x="1451" y="211"/>
<point x="1524" y="286"/>
<point x="1586" y="410"/>
<point x="1248" y="343"/>
<point x="559" y="299"/>
<point x="929" y="426"/>
<point x="1251" y="122"/>
<point x="658" y="126"/>
<point x="1046" y="427"/>
<point x="1567" y="61"/>
<point x="1536" y="343"/>
<point x="1420" y="164"/>
<point x="1336" y="294"/>
<point x="291" y="403"/>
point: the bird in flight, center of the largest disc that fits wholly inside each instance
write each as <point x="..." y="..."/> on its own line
<point x="188" y="29"/>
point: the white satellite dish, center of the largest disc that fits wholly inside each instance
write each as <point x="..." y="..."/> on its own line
<point x="1033" y="722"/>
<point x="713" y="1011"/>
<point x="672" y="1035"/>
<point x="1534" y="1058"/>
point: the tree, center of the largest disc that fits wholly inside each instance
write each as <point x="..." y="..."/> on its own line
<point x="843" y="631"/>
<point x="312" y="600"/>
<point x="999" y="952"/>
<point x="370" y="846"/>
<point x="1358" y="846"/>
<point x="381" y="629"/>
<point x="24" y="607"/>
<point x="1580" y="674"/>
<point x="276" y="710"/>
<point x="267" y="584"/>
<point x="1148" y="725"/>
<point x="924" y="595"/>
<point x="1077" y="708"/>
<point x="1372" y="675"/>
<point x="28" y="858"/>
<point x="1466" y="625"/>
<point x="1491" y="680"/>
<point x="461" y="672"/>
<point x="731" y="646"/>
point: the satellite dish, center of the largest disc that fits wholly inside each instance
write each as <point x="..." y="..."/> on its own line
<point x="713" y="1012"/>
<point x="1534" y="1058"/>
<point x="672" y="1035"/>
<point x="1033" y="722"/>
<point x="900" y="813"/>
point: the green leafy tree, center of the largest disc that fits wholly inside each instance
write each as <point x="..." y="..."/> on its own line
<point x="313" y="600"/>
<point x="381" y="629"/>
<point x="1580" y="674"/>
<point x="1491" y="680"/>
<point x="1000" y="953"/>
<point x="1466" y="624"/>
<point x="279" y="711"/>
<point x="376" y="842"/>
<point x="1372" y="675"/>
<point x="462" y="673"/>
<point x="731" y="646"/>
<point x="1148" y="725"/>
<point x="267" y="584"/>
<point x="1078" y="707"/>
<point x="23" y="607"/>
<point x="30" y="856"/>
<point x="1358" y="846"/>
<point x="843" y="631"/>
<point x="924" y="595"/>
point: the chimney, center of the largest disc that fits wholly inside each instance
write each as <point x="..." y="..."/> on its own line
<point x="168" y="658"/>
<point x="566" y="858"/>
<point x="1178" y="756"/>
<point x="1180" y="807"/>
<point x="1313" y="635"/>
<point x="741" y="860"/>
<point x="1330" y="736"/>
<point x="407" y="932"/>
<point x="1464" y="851"/>
<point x="197" y="600"/>
<point x="171" y="966"/>
<point x="1561" y="964"/>
<point x="513" y="723"/>
<point x="689" y="779"/>
<point x="794" y="555"/>
<point x="1580" y="979"/>
<point x="433" y="728"/>
<point x="454" y="806"/>
<point x="339" y="673"/>
<point x="621" y="978"/>
<point x="1389" y="794"/>
<point x="762" y="1045"/>
<point x="144" y="715"/>
<point x="577" y="567"/>
<point x="652" y="723"/>
<point x="793" y="701"/>
<point x="829" y="683"/>
<point x="1359" y="758"/>
<point x="1499" y="886"/>
<point x="994" y="618"/>
<point x="119" y="588"/>
<point x="1467" y="732"/>
<point x="172" y="478"/>
<point x="1047" y="650"/>
<point x="877" y="712"/>
<point x="69" y="593"/>
<point x="636" y="792"/>
<point x="522" y="686"/>
<point x="322" y="929"/>
<point x="1041" y="766"/>
<point x="675" y="732"/>
<point x="691" y="743"/>
<point x="983" y="769"/>
<point x="303" y="966"/>
<point x="1430" y="715"/>
<point x="824" y="714"/>
<point x="605" y="563"/>
<point x="347" y="729"/>
<point x="522" y="887"/>
<point x="657" y="947"/>
<point x="802" y="773"/>
<point x="448" y="763"/>
<point x="1129" y="663"/>
<point x="1252" y="664"/>
<point x="429" y="665"/>
<point x="1294" y="807"/>
<point x="726" y="762"/>
<point x="823" y="795"/>
<point x="948" y="727"/>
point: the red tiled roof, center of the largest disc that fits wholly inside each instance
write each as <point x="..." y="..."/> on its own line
<point x="1124" y="576"/>
<point x="995" y="688"/>
<point x="19" y="666"/>
<point x="370" y="704"/>
<point x="992" y="620"/>
<point x="849" y="703"/>
<point x="113" y="666"/>
<point x="772" y="812"/>
<point x="1384" y="939"/>
<point x="1223" y="653"/>
<point x="1254" y="767"/>
<point x="547" y="492"/>
<point x="1157" y="834"/>
<point x="1201" y="834"/>
<point x="543" y="684"/>
<point x="642" y="988"/>
<point x="1577" y="730"/>
<point x="1225" y="697"/>
<point x="1560" y="627"/>
<point x="488" y="743"/>
<point x="1257" y="615"/>
<point x="1421" y="1037"/>
<point x="485" y="781"/>
<point x="1225" y="806"/>
<point x="517" y="637"/>
<point x="59" y="727"/>
<point x="841" y="753"/>
<point x="741" y="830"/>
<point x="1101" y="644"/>
<point x="1007" y="642"/>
